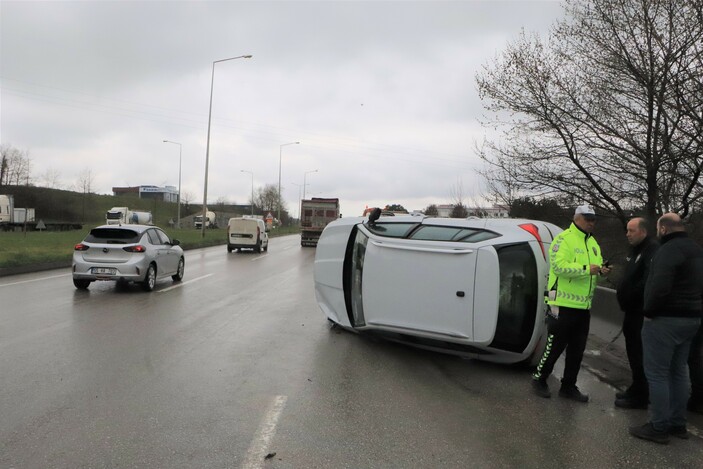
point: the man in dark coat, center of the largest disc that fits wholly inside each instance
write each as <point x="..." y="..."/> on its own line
<point x="673" y="305"/>
<point x="630" y="296"/>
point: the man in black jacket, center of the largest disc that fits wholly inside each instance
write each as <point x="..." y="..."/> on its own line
<point x="630" y="296"/>
<point x="673" y="304"/>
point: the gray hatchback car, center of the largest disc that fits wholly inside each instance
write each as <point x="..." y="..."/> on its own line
<point x="127" y="253"/>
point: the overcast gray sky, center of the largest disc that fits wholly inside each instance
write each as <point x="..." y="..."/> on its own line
<point x="381" y="95"/>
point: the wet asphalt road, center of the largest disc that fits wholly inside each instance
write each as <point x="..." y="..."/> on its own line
<point x="237" y="363"/>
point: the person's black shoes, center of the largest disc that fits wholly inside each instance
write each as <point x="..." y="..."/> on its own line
<point x="647" y="432"/>
<point x="679" y="432"/>
<point x="541" y="388"/>
<point x="574" y="394"/>
<point x="632" y="402"/>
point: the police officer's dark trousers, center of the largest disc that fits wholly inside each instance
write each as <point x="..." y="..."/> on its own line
<point x="569" y="332"/>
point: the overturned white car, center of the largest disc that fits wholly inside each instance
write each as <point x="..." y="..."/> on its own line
<point x="471" y="287"/>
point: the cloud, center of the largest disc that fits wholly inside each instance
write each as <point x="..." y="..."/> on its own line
<point x="381" y="95"/>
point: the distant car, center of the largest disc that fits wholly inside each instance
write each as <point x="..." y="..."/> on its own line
<point x="471" y="287"/>
<point x="247" y="233"/>
<point x="127" y="253"/>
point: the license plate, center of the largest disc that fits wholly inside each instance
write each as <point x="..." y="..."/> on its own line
<point x="104" y="271"/>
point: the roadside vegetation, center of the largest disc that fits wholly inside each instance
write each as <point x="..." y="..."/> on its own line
<point x="35" y="247"/>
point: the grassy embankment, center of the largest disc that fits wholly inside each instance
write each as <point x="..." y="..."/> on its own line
<point x="20" y="249"/>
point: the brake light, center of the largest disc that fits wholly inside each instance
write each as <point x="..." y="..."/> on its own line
<point x="534" y="231"/>
<point x="137" y="248"/>
<point x="80" y="247"/>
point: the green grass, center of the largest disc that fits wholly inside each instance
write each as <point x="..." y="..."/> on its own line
<point x="20" y="249"/>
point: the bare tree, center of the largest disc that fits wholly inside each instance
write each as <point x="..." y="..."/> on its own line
<point x="431" y="211"/>
<point x="267" y="198"/>
<point x="85" y="181"/>
<point x="51" y="178"/>
<point x="606" y="111"/>
<point x="186" y="198"/>
<point x="15" y="166"/>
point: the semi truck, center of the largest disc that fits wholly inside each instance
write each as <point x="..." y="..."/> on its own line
<point x="125" y="216"/>
<point x="14" y="216"/>
<point x="210" y="221"/>
<point x="315" y="214"/>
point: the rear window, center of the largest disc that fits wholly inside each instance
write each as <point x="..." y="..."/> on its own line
<point x="112" y="236"/>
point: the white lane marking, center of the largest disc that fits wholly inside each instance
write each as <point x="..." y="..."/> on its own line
<point x="179" y="285"/>
<point x="257" y="258"/>
<point x="34" y="280"/>
<point x="264" y="435"/>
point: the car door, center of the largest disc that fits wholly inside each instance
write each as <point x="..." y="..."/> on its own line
<point x="419" y="285"/>
<point x="169" y="255"/>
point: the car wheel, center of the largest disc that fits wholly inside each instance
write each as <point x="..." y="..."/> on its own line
<point x="179" y="273"/>
<point x="81" y="284"/>
<point x="258" y="247"/>
<point x="266" y="249"/>
<point x="149" y="278"/>
<point x="229" y="249"/>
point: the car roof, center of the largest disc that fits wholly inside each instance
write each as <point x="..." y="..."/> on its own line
<point x="137" y="228"/>
<point x="547" y="230"/>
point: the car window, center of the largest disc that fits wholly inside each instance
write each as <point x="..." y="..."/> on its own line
<point x="452" y="233"/>
<point x="391" y="230"/>
<point x="153" y="237"/>
<point x="112" y="236"/>
<point x="164" y="237"/>
<point x="354" y="274"/>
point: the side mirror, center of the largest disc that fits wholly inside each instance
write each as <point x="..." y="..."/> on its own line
<point x="175" y="242"/>
<point x="374" y="215"/>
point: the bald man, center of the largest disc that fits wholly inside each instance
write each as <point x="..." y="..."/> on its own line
<point x="673" y="305"/>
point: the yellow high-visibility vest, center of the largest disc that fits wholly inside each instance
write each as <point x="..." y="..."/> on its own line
<point x="570" y="257"/>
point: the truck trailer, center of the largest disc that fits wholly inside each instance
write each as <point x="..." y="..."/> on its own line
<point x="125" y="216"/>
<point x="315" y="214"/>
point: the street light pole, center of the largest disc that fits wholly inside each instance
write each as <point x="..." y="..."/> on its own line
<point x="280" y="154"/>
<point x="207" y="145"/>
<point x="305" y="176"/>
<point x="180" y="160"/>
<point x="252" y="189"/>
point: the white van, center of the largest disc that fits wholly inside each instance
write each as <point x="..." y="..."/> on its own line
<point x="247" y="233"/>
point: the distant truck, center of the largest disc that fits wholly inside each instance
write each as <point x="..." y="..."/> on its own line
<point x="210" y="222"/>
<point x="11" y="215"/>
<point x="315" y="214"/>
<point x="125" y="216"/>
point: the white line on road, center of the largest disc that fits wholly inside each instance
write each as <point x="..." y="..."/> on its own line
<point x="257" y="258"/>
<point x="264" y="435"/>
<point x="179" y="285"/>
<point x="34" y="280"/>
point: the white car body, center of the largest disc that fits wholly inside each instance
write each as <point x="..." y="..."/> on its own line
<point x="247" y="233"/>
<point x="481" y="297"/>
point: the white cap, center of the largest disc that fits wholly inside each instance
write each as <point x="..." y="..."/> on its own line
<point x="585" y="210"/>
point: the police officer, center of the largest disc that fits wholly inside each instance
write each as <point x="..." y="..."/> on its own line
<point x="630" y="296"/>
<point x="575" y="262"/>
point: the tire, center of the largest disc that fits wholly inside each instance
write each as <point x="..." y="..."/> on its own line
<point x="266" y="249"/>
<point x="150" y="278"/>
<point x="81" y="284"/>
<point x="258" y="247"/>
<point x="178" y="276"/>
<point x="229" y="249"/>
